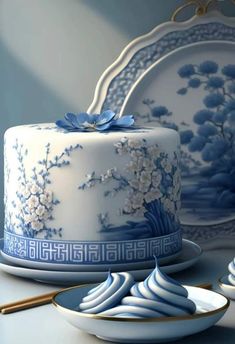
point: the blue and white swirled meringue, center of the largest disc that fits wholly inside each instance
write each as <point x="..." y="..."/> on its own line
<point x="231" y="276"/>
<point x="108" y="294"/>
<point x="158" y="296"/>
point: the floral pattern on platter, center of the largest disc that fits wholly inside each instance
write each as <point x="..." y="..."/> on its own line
<point x="151" y="182"/>
<point x="35" y="200"/>
<point x="145" y="57"/>
<point x="208" y="149"/>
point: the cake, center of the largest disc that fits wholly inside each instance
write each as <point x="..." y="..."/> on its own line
<point x="91" y="198"/>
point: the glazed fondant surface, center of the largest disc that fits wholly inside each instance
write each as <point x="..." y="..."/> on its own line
<point x="91" y="196"/>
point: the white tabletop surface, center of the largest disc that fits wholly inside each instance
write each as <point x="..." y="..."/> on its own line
<point x="45" y="325"/>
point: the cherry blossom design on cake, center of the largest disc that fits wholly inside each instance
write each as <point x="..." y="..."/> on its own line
<point x="151" y="183"/>
<point x="36" y="199"/>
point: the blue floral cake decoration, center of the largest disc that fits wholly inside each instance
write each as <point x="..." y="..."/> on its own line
<point x="98" y="122"/>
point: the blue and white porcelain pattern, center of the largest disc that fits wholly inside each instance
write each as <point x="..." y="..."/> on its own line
<point x="68" y="274"/>
<point x="199" y="72"/>
<point x="145" y="50"/>
<point x="140" y="56"/>
<point x="152" y="184"/>
<point x="35" y="202"/>
<point x="92" y="252"/>
<point x="53" y="216"/>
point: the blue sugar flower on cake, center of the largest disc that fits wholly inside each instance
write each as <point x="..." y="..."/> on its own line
<point x="100" y="122"/>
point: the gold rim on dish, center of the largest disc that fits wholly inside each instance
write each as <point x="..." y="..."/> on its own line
<point x="225" y="285"/>
<point x="161" y="319"/>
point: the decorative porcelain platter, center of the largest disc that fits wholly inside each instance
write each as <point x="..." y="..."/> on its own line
<point x="182" y="75"/>
<point x="211" y="307"/>
<point x="196" y="79"/>
<point x="189" y="256"/>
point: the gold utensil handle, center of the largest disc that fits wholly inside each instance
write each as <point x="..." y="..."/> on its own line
<point x="27" y="303"/>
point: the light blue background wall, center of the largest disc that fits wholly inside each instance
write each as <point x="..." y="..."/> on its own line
<point x="52" y="53"/>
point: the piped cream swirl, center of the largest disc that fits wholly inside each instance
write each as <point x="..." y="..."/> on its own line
<point x="231" y="268"/>
<point x="157" y="296"/>
<point x="108" y="294"/>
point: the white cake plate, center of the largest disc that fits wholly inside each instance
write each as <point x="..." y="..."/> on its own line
<point x="189" y="251"/>
<point x="189" y="256"/>
<point x="34" y="264"/>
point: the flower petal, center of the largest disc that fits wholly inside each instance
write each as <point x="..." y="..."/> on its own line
<point x="124" y="121"/>
<point x="93" y="118"/>
<point x="104" y="126"/>
<point x="63" y="124"/>
<point x="82" y="117"/>
<point x="105" y="117"/>
<point x="72" y="119"/>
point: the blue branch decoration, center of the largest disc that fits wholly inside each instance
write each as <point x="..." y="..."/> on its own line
<point x="212" y="169"/>
<point x="214" y="139"/>
<point x="151" y="183"/>
<point x="35" y="201"/>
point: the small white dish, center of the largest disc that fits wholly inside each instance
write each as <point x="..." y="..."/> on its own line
<point x="227" y="288"/>
<point x="190" y="253"/>
<point x="189" y="257"/>
<point x="211" y="306"/>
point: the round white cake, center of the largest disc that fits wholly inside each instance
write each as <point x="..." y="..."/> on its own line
<point x="91" y="198"/>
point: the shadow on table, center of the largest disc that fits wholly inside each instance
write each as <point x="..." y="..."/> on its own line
<point x="204" y="271"/>
<point x="214" y="335"/>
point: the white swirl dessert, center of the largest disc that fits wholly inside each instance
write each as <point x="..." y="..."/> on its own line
<point x="157" y="296"/>
<point x="108" y="294"/>
<point x="231" y="268"/>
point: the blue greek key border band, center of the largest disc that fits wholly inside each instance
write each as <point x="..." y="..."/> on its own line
<point x="91" y="252"/>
